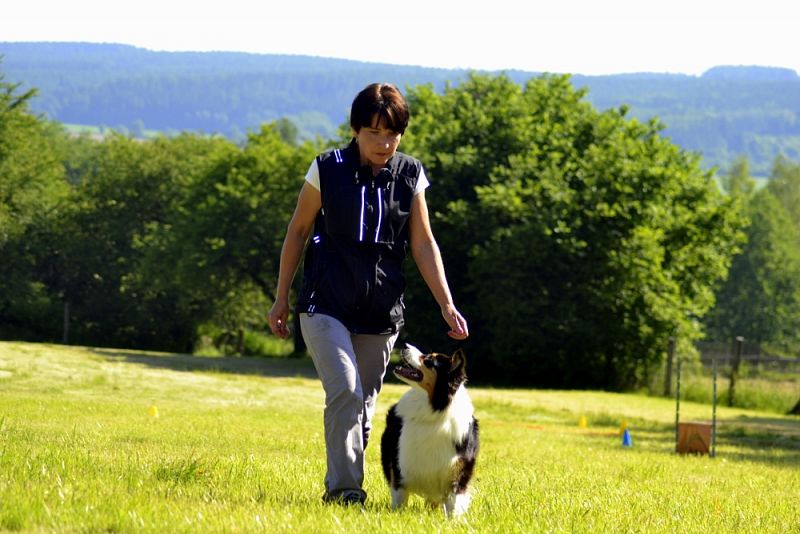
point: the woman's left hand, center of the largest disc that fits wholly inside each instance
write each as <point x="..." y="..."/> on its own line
<point x="456" y="322"/>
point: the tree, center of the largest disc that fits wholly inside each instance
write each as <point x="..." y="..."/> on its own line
<point x="224" y="235"/>
<point x="582" y="240"/>
<point x="738" y="181"/>
<point x="32" y="190"/>
<point x="784" y="184"/>
<point x="760" y="300"/>
<point x="94" y="255"/>
<point x="460" y="136"/>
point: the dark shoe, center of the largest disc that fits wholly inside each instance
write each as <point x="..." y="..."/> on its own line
<point x="345" y="497"/>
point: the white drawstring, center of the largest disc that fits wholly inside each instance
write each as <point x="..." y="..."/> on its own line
<point x="361" y="227"/>
<point x="380" y="215"/>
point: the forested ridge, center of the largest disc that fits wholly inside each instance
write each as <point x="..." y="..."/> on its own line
<point x="726" y="112"/>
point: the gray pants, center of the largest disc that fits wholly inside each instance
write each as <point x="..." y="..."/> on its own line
<point x="351" y="368"/>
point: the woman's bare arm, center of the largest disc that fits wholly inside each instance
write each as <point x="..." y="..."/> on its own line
<point x="428" y="258"/>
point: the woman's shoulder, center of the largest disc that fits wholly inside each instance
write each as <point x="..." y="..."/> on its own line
<point x="407" y="164"/>
<point x="413" y="170"/>
<point x="344" y="154"/>
<point x="407" y="157"/>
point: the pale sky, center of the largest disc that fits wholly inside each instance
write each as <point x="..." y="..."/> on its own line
<point x="575" y="36"/>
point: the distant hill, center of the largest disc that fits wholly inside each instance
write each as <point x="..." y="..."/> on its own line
<point x="750" y="73"/>
<point x="729" y="110"/>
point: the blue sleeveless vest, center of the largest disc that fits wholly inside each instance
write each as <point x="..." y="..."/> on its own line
<point x="353" y="264"/>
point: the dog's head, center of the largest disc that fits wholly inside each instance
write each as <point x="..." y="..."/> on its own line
<point x="439" y="375"/>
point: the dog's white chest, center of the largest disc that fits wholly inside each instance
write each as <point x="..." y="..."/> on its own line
<point x="427" y="454"/>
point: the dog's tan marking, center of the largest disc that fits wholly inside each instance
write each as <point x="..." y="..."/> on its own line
<point x="428" y="382"/>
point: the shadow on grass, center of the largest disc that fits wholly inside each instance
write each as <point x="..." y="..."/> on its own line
<point x="746" y="439"/>
<point x="753" y="438"/>
<point x="274" y="367"/>
<point x="773" y="441"/>
<point x="756" y="436"/>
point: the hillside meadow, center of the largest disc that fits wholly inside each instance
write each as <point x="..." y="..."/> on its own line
<point x="96" y="439"/>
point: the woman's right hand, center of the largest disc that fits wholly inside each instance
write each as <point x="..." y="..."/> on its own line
<point x="308" y="205"/>
<point x="278" y="316"/>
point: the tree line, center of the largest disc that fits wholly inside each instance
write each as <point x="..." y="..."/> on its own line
<point x="577" y="241"/>
<point x="726" y="112"/>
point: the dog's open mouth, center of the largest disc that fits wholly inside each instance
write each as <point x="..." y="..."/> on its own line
<point x="403" y="370"/>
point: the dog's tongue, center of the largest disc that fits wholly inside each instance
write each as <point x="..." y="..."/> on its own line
<point x="407" y="372"/>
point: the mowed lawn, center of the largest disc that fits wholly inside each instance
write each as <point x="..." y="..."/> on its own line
<point x="125" y="441"/>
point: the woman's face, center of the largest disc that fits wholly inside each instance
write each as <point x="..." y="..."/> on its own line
<point x="377" y="144"/>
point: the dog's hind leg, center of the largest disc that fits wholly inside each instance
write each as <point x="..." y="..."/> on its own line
<point x="399" y="497"/>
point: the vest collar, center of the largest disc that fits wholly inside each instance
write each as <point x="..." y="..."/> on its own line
<point x="364" y="172"/>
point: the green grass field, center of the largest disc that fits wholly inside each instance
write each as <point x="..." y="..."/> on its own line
<point x="123" y="441"/>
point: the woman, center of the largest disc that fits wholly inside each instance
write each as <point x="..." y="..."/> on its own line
<point x="363" y="207"/>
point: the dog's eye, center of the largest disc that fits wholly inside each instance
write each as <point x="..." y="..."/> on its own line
<point x="428" y="362"/>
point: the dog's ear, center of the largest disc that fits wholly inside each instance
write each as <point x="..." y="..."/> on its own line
<point x="458" y="361"/>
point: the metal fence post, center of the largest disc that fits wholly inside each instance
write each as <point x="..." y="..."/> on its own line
<point x="737" y="359"/>
<point x="668" y="373"/>
<point x="714" y="407"/>
<point x="677" y="404"/>
<point x="65" y="330"/>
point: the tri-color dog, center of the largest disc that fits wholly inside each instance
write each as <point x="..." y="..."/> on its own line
<point x="430" y="443"/>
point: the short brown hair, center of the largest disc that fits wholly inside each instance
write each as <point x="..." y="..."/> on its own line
<point x="383" y="100"/>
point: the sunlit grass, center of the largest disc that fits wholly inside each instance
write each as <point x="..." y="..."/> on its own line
<point x="236" y="445"/>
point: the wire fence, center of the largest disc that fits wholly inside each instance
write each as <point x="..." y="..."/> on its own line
<point x="733" y="374"/>
<point x="728" y="354"/>
<point x="752" y="378"/>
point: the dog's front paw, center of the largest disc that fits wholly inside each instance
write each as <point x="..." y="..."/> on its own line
<point x="399" y="498"/>
<point x="457" y="504"/>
